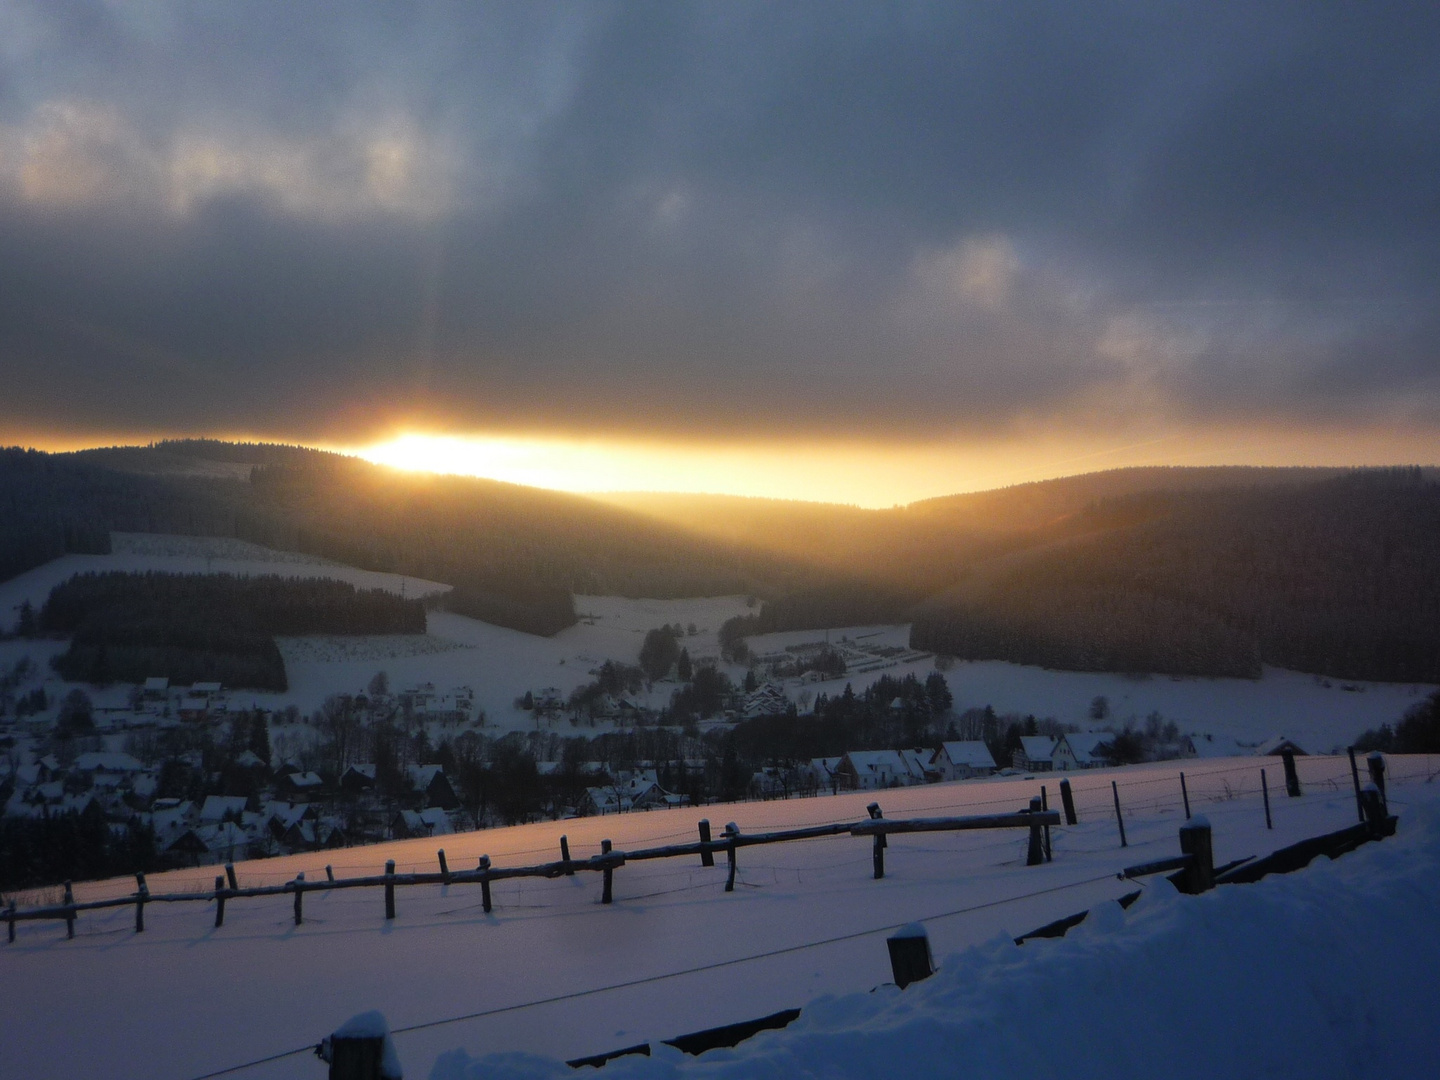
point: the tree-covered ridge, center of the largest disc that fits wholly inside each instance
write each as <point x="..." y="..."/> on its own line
<point x="1340" y="577"/>
<point x="207" y="627"/>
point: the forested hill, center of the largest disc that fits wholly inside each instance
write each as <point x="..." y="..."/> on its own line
<point x="514" y="554"/>
<point x="1203" y="571"/>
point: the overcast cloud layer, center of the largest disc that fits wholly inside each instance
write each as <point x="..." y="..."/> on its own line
<point x="308" y="221"/>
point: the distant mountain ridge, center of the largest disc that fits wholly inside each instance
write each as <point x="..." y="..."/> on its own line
<point x="1204" y="571"/>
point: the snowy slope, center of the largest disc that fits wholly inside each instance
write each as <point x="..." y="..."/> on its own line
<point x="184" y="998"/>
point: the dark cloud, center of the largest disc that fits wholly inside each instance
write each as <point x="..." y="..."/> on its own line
<point x="308" y="221"/>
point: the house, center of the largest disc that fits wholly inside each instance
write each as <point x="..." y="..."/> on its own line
<point x="155" y="688"/>
<point x="302" y="784"/>
<point x="820" y="774"/>
<point x="194" y="707"/>
<point x="1277" y="745"/>
<point x="218" y="808"/>
<point x="867" y="770"/>
<point x="407" y="824"/>
<point x="767" y="700"/>
<point x="251" y="761"/>
<point x="187" y="845"/>
<point x="204" y="689"/>
<point x="1208" y="746"/>
<point x="358" y="778"/>
<point x="1035" y="753"/>
<point x="601" y="800"/>
<point x="431" y="781"/>
<point x="962" y="760"/>
<point x="1078" y="750"/>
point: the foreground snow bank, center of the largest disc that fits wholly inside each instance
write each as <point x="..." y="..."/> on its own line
<point x="1330" y="972"/>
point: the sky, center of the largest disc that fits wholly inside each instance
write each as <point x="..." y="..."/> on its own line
<point x="862" y="252"/>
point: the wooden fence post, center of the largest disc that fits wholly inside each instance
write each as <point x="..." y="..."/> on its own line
<point x="142" y="893"/>
<point x="1036" y="853"/>
<point x="1355" y="776"/>
<point x="732" y="833"/>
<point x="565" y="855"/>
<point x="10" y="918"/>
<point x="329" y="873"/>
<point x="1292" y="778"/>
<point x="707" y="858"/>
<point x="1119" y="818"/>
<point x="1374" y="809"/>
<point x="1375" y="762"/>
<point x="1045" y="805"/>
<point x="485" y="882"/>
<point x="1265" y="792"/>
<point x="219" y="901"/>
<point x="390" y="888"/>
<point x="299" y="893"/>
<point x="1068" y="801"/>
<point x="607" y="893"/>
<point x="1185" y="796"/>
<point x="878" y="856"/>
<point x="1195" y="841"/>
<point x="69" y="915"/>
<point x="444" y="867"/>
<point x="910" y="958"/>
<point x="230" y="876"/>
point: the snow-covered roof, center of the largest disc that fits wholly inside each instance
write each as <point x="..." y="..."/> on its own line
<point x="217" y="806"/>
<point x="157" y="682"/>
<point x="1277" y="743"/>
<point x="305" y="780"/>
<point x="1083" y="743"/>
<point x="1037" y="747"/>
<point x="970" y="752"/>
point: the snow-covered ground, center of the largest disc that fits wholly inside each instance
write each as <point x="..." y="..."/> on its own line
<point x="1329" y="966"/>
<point x="500" y="665"/>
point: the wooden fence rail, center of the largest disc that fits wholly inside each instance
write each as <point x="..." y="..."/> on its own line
<point x="228" y="888"/>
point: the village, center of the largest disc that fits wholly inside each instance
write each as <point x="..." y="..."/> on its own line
<point x="191" y="775"/>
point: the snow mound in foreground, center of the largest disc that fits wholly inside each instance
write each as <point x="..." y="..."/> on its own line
<point x="1330" y="972"/>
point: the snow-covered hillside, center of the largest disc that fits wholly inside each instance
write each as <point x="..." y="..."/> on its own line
<point x="1334" y="954"/>
<point x="500" y="665"/>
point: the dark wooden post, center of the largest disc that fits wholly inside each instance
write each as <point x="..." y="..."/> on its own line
<point x="329" y="874"/>
<point x="444" y="867"/>
<point x="608" y="892"/>
<point x="1185" y="796"/>
<point x="390" y="888"/>
<point x="69" y="915"/>
<point x="1265" y="792"/>
<point x="219" y="900"/>
<point x="732" y="833"/>
<point x="1068" y="801"/>
<point x="910" y="959"/>
<point x="878" y="857"/>
<point x="707" y="858"/>
<point x="1119" y="818"/>
<point x="1355" y="776"/>
<point x="1195" y="841"/>
<point x="230" y="876"/>
<point x="1292" y="778"/>
<point x="1035" y="855"/>
<point x="142" y="893"/>
<point x="485" y="882"/>
<point x="1374" y="809"/>
<point x="355" y="1057"/>
<point x="565" y="856"/>
<point x="299" y="893"/>
<point x="10" y="919"/>
<point x="1375" y="762"/>
<point x="1045" y="805"/>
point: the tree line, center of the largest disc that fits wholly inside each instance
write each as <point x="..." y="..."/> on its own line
<point x="126" y="627"/>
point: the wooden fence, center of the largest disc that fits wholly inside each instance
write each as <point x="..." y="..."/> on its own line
<point x="1035" y="818"/>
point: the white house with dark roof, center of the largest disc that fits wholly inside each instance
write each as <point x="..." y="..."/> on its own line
<point x="1077" y="750"/>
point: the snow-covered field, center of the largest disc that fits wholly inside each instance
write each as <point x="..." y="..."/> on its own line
<point x="1333" y="966"/>
<point x="501" y="665"/>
